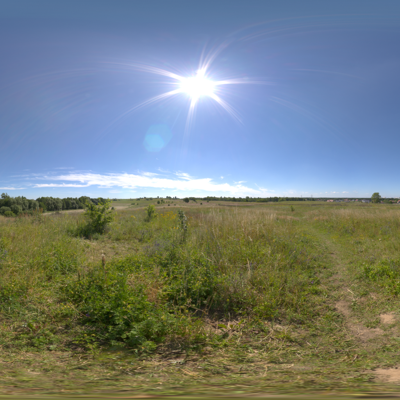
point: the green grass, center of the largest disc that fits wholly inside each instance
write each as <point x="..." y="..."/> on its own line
<point x="250" y="298"/>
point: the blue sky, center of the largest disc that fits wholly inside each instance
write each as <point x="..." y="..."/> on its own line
<point x="311" y="108"/>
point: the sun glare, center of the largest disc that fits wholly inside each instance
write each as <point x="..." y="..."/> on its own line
<point x="197" y="86"/>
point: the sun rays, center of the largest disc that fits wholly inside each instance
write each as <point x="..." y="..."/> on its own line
<point x="199" y="85"/>
<point x="196" y="86"/>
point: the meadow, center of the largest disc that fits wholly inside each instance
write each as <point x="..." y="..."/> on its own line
<point x="202" y="298"/>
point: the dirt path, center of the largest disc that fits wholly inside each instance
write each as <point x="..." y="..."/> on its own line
<point x="342" y="283"/>
<point x="354" y="310"/>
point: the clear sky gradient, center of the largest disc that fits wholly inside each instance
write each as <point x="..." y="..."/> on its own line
<point x="312" y="107"/>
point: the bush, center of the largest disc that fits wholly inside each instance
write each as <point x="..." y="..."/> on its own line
<point x="98" y="216"/>
<point x="150" y="213"/>
<point x="9" y="214"/>
<point x="183" y="278"/>
<point x="191" y="279"/>
<point x="4" y="209"/>
<point x="386" y="274"/>
<point x="117" y="311"/>
<point x="16" y="209"/>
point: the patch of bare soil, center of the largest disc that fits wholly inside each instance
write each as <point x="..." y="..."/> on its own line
<point x="387" y="375"/>
<point x="343" y="308"/>
<point x="358" y="330"/>
<point x="387" y="318"/>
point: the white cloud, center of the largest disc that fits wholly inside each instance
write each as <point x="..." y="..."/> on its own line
<point x="59" y="185"/>
<point x="183" y="175"/>
<point x="149" y="174"/>
<point x="181" y="182"/>
<point x="222" y="177"/>
<point x="11" y="188"/>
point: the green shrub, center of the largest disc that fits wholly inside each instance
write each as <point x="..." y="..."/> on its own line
<point x="150" y="213"/>
<point x="386" y="274"/>
<point x="116" y="310"/>
<point x="9" y="214"/>
<point x="190" y="279"/>
<point x="98" y="216"/>
<point x="16" y="209"/>
<point x="4" y="209"/>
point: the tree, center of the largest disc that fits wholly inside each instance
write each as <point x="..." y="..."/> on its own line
<point x="16" y="209"/>
<point x="186" y="200"/>
<point x="4" y="209"/>
<point x="98" y="216"/>
<point x="375" y="198"/>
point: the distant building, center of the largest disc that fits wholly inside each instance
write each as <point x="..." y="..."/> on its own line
<point x="366" y="201"/>
<point x="329" y="201"/>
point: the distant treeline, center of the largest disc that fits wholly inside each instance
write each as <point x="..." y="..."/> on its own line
<point x="12" y="206"/>
<point x="279" y="199"/>
<point x="237" y="199"/>
<point x="69" y="203"/>
<point x="256" y="199"/>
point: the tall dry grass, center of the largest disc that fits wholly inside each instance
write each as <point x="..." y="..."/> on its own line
<point x="248" y="263"/>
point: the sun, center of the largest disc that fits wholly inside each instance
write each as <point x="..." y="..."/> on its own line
<point x="194" y="86"/>
<point x="197" y="86"/>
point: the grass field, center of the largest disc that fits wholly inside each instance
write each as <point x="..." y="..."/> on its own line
<point x="236" y="299"/>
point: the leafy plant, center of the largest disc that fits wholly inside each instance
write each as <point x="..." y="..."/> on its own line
<point x="150" y="213"/>
<point x="114" y="311"/>
<point x="98" y="216"/>
<point x="183" y="224"/>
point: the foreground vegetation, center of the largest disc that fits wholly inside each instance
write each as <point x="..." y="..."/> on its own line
<point x="250" y="298"/>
